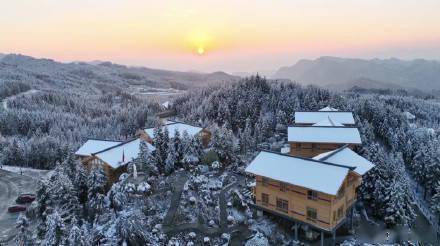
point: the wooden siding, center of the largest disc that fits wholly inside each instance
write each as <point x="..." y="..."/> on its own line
<point x="299" y="202"/>
<point x="204" y="134"/>
<point x="111" y="173"/>
<point x="312" y="149"/>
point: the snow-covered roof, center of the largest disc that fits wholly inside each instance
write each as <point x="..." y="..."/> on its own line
<point x="346" y="156"/>
<point x="345" y="118"/>
<point x="324" y="134"/>
<point x="121" y="154"/>
<point x="307" y="173"/>
<point x="328" y="122"/>
<point x="409" y="116"/>
<point x="166" y="104"/>
<point x="328" y="108"/>
<point x="94" y="145"/>
<point x="179" y="126"/>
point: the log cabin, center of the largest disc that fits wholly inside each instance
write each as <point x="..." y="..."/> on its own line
<point x="315" y="192"/>
<point x="173" y="126"/>
<point x="309" y="141"/>
<point x="114" y="159"/>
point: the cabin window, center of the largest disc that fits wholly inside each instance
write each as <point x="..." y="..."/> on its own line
<point x="282" y="205"/>
<point x="283" y="186"/>
<point x="340" y="212"/>
<point x="298" y="146"/>
<point x="313" y="146"/>
<point x="312" y="214"/>
<point x="312" y="195"/>
<point x="265" y="181"/>
<point x="264" y="199"/>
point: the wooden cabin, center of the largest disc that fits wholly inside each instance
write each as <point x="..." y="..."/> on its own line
<point x="314" y="192"/>
<point x="114" y="159"/>
<point x="173" y="126"/>
<point x="309" y="141"/>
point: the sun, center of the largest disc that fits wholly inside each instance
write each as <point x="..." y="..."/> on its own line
<point x="200" y="50"/>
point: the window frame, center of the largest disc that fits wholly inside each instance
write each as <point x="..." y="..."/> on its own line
<point x="283" y="186"/>
<point x="282" y="202"/>
<point x="311" y="211"/>
<point x="312" y="195"/>
<point x="263" y="199"/>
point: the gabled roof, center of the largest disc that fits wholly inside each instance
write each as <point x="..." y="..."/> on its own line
<point x="328" y="108"/>
<point x="324" y="134"/>
<point x="308" y="173"/>
<point x="346" y="156"/>
<point x="122" y="153"/>
<point x="172" y="126"/>
<point x="328" y="122"/>
<point x="94" y="145"/>
<point x="345" y="118"/>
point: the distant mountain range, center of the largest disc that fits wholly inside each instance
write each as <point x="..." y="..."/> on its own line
<point x="46" y="73"/>
<point x="343" y="73"/>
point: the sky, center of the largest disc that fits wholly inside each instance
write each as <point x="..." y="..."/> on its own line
<point x="232" y="36"/>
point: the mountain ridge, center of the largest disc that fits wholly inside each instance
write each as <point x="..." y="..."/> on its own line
<point x="418" y="73"/>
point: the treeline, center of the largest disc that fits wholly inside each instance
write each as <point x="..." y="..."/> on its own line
<point x="37" y="130"/>
<point x="8" y="88"/>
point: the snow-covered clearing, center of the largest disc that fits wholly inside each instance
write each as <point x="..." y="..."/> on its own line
<point x="26" y="171"/>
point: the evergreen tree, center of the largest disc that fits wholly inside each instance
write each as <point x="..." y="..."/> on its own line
<point x="97" y="201"/>
<point x="56" y="231"/>
<point x="172" y="157"/>
<point x="23" y="236"/>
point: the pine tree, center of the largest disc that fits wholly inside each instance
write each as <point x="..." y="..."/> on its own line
<point x="56" y="231"/>
<point x="97" y="201"/>
<point x="23" y="236"/>
<point x="172" y="157"/>
<point x="222" y="142"/>
<point x="435" y="200"/>
<point x="76" y="234"/>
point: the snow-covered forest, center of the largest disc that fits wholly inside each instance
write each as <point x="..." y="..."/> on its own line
<point x="41" y="130"/>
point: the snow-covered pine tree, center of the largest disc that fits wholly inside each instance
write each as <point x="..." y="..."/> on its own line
<point x="23" y="236"/>
<point x="222" y="143"/>
<point x="435" y="200"/>
<point x="172" y="157"/>
<point x="97" y="201"/>
<point x="76" y="234"/>
<point x="56" y="230"/>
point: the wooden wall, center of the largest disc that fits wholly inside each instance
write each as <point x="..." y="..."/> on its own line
<point x="298" y="201"/>
<point x="312" y="149"/>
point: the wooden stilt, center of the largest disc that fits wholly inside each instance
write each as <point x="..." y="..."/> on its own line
<point x="296" y="231"/>
<point x="322" y="238"/>
<point x="334" y="237"/>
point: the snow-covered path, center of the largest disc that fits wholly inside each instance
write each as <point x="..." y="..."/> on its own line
<point x="422" y="204"/>
<point x="5" y="101"/>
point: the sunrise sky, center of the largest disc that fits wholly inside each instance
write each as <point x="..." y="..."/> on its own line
<point x="234" y="36"/>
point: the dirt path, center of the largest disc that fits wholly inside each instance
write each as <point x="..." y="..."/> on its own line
<point x="175" y="199"/>
<point x="5" y="101"/>
<point x="239" y="232"/>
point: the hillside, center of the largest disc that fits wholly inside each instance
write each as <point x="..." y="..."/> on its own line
<point x="389" y="73"/>
<point x="99" y="76"/>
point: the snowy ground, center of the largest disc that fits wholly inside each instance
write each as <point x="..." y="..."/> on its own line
<point x="31" y="172"/>
<point x="11" y="185"/>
